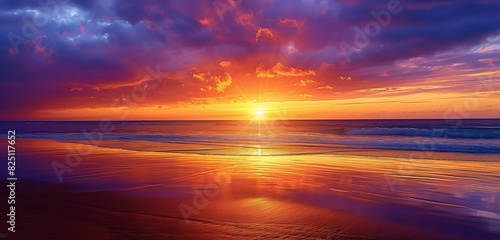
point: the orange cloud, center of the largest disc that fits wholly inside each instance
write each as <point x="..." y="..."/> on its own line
<point x="201" y="76"/>
<point x="305" y="95"/>
<point x="225" y="64"/>
<point x="223" y="82"/>
<point x="280" y="70"/>
<point x="325" y="87"/>
<point x="264" y="32"/>
<point x="207" y="22"/>
<point x="303" y="83"/>
<point x="215" y="82"/>
<point x="344" y="78"/>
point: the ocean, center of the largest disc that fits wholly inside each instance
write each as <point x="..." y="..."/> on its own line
<point x="296" y="179"/>
<point x="460" y="136"/>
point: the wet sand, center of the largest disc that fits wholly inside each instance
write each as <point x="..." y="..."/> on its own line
<point x="125" y="194"/>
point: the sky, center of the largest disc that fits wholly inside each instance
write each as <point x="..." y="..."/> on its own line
<point x="229" y="59"/>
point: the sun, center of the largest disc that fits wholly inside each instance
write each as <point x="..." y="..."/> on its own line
<point x="259" y="113"/>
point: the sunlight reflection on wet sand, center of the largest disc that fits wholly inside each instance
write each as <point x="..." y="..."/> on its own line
<point x="460" y="198"/>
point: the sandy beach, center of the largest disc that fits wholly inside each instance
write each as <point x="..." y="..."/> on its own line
<point x="125" y="194"/>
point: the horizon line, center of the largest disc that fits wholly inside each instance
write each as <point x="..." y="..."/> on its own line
<point x="317" y="119"/>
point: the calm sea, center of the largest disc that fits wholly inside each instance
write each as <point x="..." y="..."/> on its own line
<point x="461" y="136"/>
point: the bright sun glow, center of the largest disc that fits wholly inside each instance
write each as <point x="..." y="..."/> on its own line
<point x="259" y="113"/>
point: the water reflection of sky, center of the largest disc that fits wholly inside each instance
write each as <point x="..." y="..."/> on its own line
<point x="459" y="197"/>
